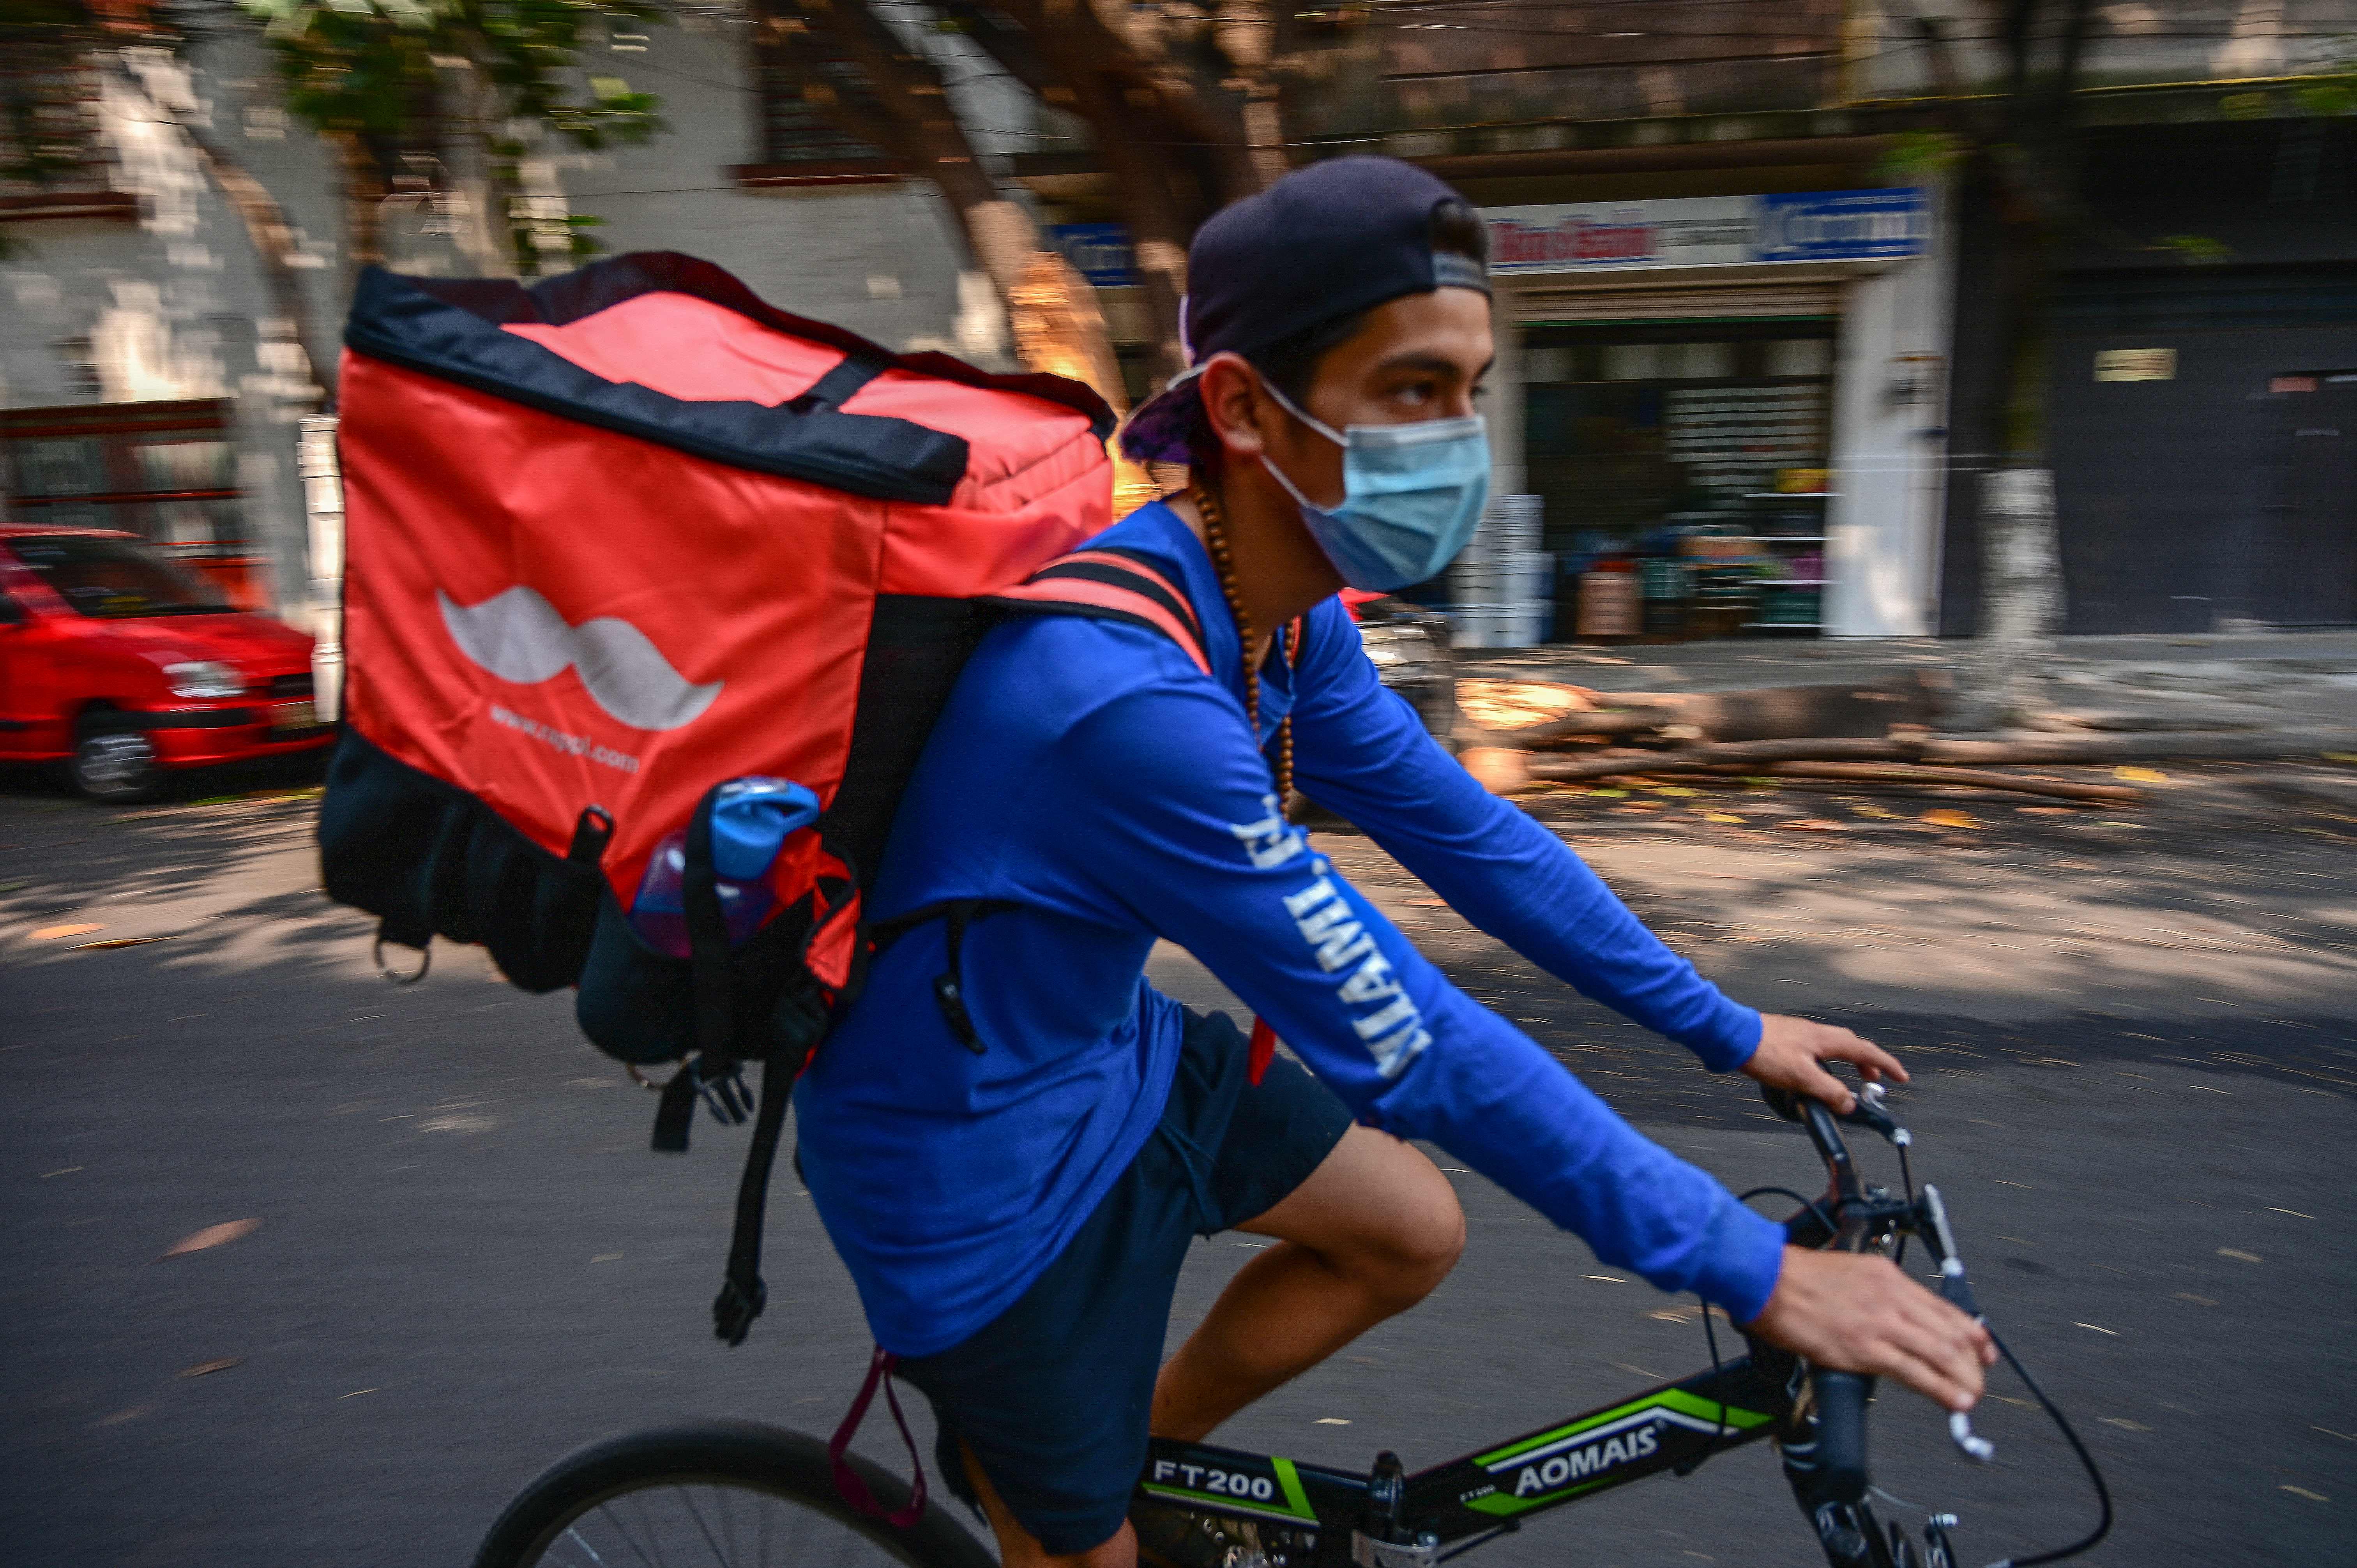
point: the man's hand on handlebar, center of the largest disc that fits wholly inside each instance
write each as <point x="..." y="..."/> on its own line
<point x="1792" y="1052"/>
<point x="1856" y="1312"/>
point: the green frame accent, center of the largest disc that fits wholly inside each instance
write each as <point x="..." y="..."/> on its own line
<point x="1674" y="1399"/>
<point x="1288" y="1481"/>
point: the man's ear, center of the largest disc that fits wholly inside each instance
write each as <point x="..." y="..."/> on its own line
<point x="1232" y="403"/>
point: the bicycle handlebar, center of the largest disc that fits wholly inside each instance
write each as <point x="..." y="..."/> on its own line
<point x="1840" y="1433"/>
<point x="1832" y="1477"/>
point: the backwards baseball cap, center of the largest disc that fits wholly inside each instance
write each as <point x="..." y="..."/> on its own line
<point x="1331" y="240"/>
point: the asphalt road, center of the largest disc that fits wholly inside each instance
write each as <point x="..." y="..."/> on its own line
<point x="2135" y="1079"/>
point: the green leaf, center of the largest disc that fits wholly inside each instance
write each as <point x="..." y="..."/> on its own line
<point x="2197" y="250"/>
<point x="1920" y="155"/>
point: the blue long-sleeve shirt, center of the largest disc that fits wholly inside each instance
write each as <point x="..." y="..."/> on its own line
<point x="1088" y="774"/>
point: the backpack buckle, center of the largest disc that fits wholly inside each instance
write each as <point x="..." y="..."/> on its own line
<point x="722" y="1089"/>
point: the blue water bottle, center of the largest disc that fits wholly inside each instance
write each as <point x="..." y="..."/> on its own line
<point x="751" y="820"/>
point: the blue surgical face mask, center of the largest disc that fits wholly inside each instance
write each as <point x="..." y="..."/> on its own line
<point x="1412" y="496"/>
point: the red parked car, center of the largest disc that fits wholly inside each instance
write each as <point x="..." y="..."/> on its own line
<point x="122" y="666"/>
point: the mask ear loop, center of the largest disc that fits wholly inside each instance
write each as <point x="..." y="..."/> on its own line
<point x="1300" y="413"/>
<point x="1320" y="425"/>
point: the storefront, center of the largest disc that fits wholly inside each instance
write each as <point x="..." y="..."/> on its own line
<point x="1727" y="407"/>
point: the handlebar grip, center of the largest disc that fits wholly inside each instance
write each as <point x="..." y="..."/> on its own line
<point x="1841" y="1435"/>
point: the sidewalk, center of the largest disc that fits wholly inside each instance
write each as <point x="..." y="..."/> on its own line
<point x="2258" y="681"/>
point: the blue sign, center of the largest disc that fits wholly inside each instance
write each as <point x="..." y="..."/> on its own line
<point x="1101" y="252"/>
<point x="1841" y="225"/>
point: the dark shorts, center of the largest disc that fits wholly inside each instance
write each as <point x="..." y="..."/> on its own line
<point x="1054" y="1394"/>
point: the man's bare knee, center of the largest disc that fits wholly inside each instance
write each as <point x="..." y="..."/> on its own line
<point x="1404" y="1254"/>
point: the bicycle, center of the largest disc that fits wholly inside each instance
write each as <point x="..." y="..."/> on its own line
<point x="716" y="1489"/>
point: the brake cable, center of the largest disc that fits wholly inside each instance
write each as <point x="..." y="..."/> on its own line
<point x="1901" y="1139"/>
<point x="1710" y="1335"/>
<point x="2102" y="1493"/>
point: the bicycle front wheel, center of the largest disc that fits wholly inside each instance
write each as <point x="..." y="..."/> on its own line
<point x="731" y="1494"/>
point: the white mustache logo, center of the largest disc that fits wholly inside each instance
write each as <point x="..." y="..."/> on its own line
<point x="518" y="636"/>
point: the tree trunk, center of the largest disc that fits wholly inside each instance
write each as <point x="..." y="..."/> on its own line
<point x="2021" y="599"/>
<point x="267" y="228"/>
<point x="2027" y="161"/>
<point x="272" y="238"/>
<point x="1246" y="33"/>
<point x="364" y="194"/>
<point x="2021" y="588"/>
<point x="1158" y="230"/>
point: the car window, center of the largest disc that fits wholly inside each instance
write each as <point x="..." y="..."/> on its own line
<point x="113" y="579"/>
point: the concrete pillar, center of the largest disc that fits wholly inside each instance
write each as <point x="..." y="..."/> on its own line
<point x="1889" y="447"/>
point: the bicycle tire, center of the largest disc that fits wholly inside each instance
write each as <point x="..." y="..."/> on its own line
<point x="732" y="1458"/>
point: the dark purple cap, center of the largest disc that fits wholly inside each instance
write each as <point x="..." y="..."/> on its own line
<point x="1334" y="239"/>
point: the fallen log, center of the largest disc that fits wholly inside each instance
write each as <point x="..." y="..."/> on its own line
<point x="2247" y="745"/>
<point x="1969" y="777"/>
<point x="2143" y="746"/>
<point x="1573" y="727"/>
<point x="1843" y="709"/>
<point x="1699" y="758"/>
<point x="1847" y="710"/>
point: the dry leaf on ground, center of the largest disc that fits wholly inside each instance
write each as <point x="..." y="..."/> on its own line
<point x="53" y="933"/>
<point x="112" y="943"/>
<point x="211" y="1235"/>
<point x="1944" y="818"/>
<point x="2141" y="775"/>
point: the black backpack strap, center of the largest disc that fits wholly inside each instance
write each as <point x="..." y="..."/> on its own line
<point x="1112" y="585"/>
<point x="742" y="1292"/>
<point x="707" y="936"/>
<point x="948" y="986"/>
<point x="834" y="389"/>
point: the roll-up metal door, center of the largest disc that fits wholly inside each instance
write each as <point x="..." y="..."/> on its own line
<point x="1713" y="303"/>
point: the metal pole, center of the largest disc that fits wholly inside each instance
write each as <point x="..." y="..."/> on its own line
<point x="323" y="509"/>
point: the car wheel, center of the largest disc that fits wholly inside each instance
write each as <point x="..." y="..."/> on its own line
<point x="116" y="766"/>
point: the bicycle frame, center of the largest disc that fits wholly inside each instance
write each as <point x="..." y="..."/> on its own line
<point x="1316" y="1511"/>
<point x="1278" y="1513"/>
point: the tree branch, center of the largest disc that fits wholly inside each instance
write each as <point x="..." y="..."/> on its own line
<point x="1011" y="48"/>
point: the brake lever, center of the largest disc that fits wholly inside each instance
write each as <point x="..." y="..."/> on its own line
<point x="1867" y="1111"/>
<point x="1958" y="1292"/>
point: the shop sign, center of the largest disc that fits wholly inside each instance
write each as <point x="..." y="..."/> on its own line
<point x="1710" y="231"/>
<point x="1101" y="252"/>
<point x="2135" y="364"/>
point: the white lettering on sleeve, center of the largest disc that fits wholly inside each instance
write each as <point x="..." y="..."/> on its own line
<point x="1299" y="904"/>
<point x="1343" y="945"/>
<point x="1326" y="922"/>
<point x="1372" y="983"/>
<point x="1271" y="841"/>
<point x="1402" y="1010"/>
<point x="1396" y="1051"/>
<point x="1345" y="949"/>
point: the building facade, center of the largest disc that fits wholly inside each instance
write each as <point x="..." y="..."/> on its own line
<point x="146" y="382"/>
<point x="1729" y="278"/>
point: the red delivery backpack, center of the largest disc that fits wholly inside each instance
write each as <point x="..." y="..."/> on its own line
<point x="621" y="537"/>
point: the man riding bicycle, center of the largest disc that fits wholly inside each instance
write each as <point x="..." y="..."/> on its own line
<point x="1013" y="1138"/>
